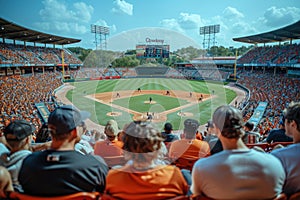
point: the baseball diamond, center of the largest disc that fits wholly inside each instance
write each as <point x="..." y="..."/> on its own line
<point x="101" y="100"/>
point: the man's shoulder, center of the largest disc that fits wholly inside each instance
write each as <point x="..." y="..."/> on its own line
<point x="277" y="131"/>
<point x="171" y="137"/>
<point x="289" y="150"/>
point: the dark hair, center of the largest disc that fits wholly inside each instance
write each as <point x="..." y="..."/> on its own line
<point x="190" y="128"/>
<point x="229" y="120"/>
<point x="292" y="112"/>
<point x="43" y="135"/>
<point x="249" y="125"/>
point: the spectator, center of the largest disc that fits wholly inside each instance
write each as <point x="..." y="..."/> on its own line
<point x="61" y="170"/>
<point x="83" y="146"/>
<point x="289" y="156"/>
<point x="212" y="139"/>
<point x="3" y="148"/>
<point x="18" y="135"/>
<point x="96" y="136"/>
<point x="278" y="134"/>
<point x="189" y="146"/>
<point x="167" y="134"/>
<point x="250" y="136"/>
<point x="5" y="182"/>
<point x="111" y="146"/>
<point x="43" y="135"/>
<point x="236" y="172"/>
<point x="142" y="178"/>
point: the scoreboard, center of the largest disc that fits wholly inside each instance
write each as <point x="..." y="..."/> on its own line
<point x="152" y="51"/>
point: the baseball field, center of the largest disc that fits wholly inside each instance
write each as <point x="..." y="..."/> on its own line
<point x="158" y="99"/>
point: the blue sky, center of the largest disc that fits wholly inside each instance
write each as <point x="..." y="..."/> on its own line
<point x="177" y="22"/>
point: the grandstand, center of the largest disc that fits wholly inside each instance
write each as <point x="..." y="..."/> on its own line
<point x="276" y="57"/>
<point x="34" y="54"/>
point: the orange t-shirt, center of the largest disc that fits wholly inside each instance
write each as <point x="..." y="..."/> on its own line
<point x="161" y="182"/>
<point x="108" y="148"/>
<point x="189" y="148"/>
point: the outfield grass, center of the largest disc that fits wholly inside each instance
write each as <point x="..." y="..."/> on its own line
<point x="201" y="112"/>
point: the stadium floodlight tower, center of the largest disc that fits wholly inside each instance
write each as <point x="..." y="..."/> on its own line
<point x="209" y="30"/>
<point x="102" y="31"/>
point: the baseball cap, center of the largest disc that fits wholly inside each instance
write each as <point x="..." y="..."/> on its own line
<point x="111" y="129"/>
<point x="168" y="126"/>
<point x="18" y="130"/>
<point x="210" y="124"/>
<point x="66" y="118"/>
<point x="191" y="125"/>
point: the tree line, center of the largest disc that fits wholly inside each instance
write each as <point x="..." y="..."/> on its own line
<point x="103" y="58"/>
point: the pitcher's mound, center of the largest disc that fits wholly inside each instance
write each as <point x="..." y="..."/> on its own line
<point x="148" y="102"/>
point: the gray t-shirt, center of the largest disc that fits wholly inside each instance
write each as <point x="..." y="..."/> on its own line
<point x="289" y="157"/>
<point x="238" y="174"/>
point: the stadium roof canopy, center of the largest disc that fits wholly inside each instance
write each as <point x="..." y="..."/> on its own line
<point x="289" y="32"/>
<point x="9" y="30"/>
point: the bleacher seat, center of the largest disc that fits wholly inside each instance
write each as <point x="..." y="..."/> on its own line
<point x="75" y="196"/>
<point x="295" y="196"/>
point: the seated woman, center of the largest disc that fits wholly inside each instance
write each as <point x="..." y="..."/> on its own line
<point x="142" y="178"/>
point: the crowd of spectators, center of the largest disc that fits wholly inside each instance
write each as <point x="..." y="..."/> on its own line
<point x="284" y="54"/>
<point x="18" y="95"/>
<point x="277" y="90"/>
<point x="26" y="55"/>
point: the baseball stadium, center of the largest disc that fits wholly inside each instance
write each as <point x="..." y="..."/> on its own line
<point x="149" y="84"/>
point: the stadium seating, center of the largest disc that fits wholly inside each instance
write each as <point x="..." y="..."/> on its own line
<point x="180" y="197"/>
<point x="76" y="196"/>
<point x="268" y="147"/>
<point x="145" y="71"/>
<point x="295" y="196"/>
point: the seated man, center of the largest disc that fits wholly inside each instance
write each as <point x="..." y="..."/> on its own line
<point x="142" y="177"/>
<point x="278" y="134"/>
<point x="61" y="170"/>
<point x="189" y="147"/>
<point x="289" y="156"/>
<point x="18" y="135"/>
<point x="236" y="172"/>
<point x="83" y="146"/>
<point x="167" y="134"/>
<point x="111" y="146"/>
<point x="249" y="134"/>
<point x="212" y="139"/>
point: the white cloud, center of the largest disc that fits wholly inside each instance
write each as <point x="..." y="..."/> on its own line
<point x="112" y="28"/>
<point x="171" y="24"/>
<point x="232" y="24"/>
<point x="122" y="7"/>
<point x="83" y="12"/>
<point x="184" y="23"/>
<point x="275" y="17"/>
<point x="231" y="13"/>
<point x="189" y="21"/>
<point x="59" y="17"/>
